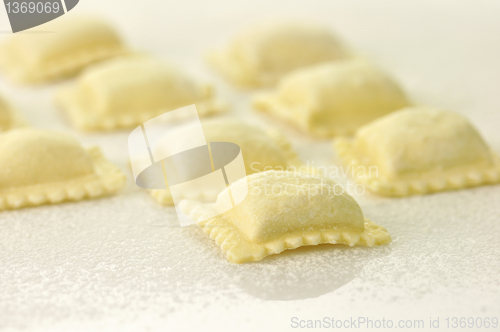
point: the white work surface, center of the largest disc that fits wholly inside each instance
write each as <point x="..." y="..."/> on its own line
<point x="124" y="264"/>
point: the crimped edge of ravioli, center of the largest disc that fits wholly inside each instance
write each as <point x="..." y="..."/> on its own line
<point x="240" y="250"/>
<point x="164" y="197"/>
<point x="444" y="180"/>
<point x="68" y="100"/>
<point x="108" y="179"/>
<point x="69" y="66"/>
<point x="266" y="102"/>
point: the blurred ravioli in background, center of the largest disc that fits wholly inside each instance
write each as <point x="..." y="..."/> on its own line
<point x="262" y="149"/>
<point x="69" y="44"/>
<point x="261" y="55"/>
<point x="127" y="91"/>
<point x="333" y="98"/>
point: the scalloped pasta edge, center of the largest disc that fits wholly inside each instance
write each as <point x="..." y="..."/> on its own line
<point x="108" y="179"/>
<point x="443" y="181"/>
<point x="240" y="250"/>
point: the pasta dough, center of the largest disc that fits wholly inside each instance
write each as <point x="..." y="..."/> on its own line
<point x="68" y="45"/>
<point x="334" y="98"/>
<point x="419" y="150"/>
<point x="126" y="92"/>
<point x="9" y="118"/>
<point x="260" y="56"/>
<point x="285" y="210"/>
<point x="41" y="167"/>
<point x="261" y="149"/>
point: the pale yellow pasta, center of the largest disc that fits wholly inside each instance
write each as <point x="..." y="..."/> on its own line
<point x="261" y="55"/>
<point x="128" y="91"/>
<point x="64" y="47"/>
<point x="9" y="117"/>
<point x="419" y="150"/>
<point x="42" y="167"/>
<point x="333" y="98"/>
<point x="261" y="149"/>
<point x="285" y="210"/>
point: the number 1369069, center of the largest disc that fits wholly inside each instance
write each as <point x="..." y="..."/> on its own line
<point x="32" y="7"/>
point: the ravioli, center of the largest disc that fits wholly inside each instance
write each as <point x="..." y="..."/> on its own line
<point x="261" y="55"/>
<point x="126" y="92"/>
<point x="42" y="167"/>
<point x="66" y="45"/>
<point x="333" y="98"/>
<point x="419" y="150"/>
<point x="285" y="210"/>
<point x="9" y="117"/>
<point x="261" y="149"/>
